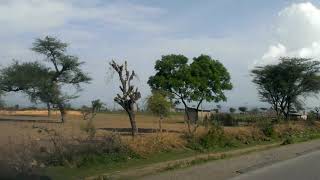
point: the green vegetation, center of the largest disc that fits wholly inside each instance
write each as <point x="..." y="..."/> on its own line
<point x="159" y="105"/>
<point x="44" y="83"/>
<point x="205" y="79"/>
<point x="282" y="85"/>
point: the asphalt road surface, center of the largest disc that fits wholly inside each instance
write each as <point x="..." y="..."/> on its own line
<point x="303" y="167"/>
<point x="292" y="162"/>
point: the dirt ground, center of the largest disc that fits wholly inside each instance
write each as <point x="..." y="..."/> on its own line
<point x="12" y="131"/>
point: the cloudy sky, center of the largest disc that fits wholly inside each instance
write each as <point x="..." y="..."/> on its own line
<point x="241" y="34"/>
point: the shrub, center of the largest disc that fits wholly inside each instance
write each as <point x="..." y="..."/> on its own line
<point x="104" y="151"/>
<point x="81" y="152"/>
<point x="224" y="119"/>
<point x="89" y="128"/>
<point x="288" y="139"/>
<point x="214" y="139"/>
<point x="267" y="128"/>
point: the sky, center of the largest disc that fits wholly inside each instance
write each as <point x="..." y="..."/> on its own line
<point x="240" y="34"/>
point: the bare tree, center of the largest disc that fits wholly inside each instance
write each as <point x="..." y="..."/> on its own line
<point x="129" y="94"/>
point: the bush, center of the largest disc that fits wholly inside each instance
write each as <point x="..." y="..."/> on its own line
<point x="224" y="119"/>
<point x="80" y="152"/>
<point x="267" y="128"/>
<point x="214" y="139"/>
<point x="288" y="139"/>
<point x="109" y="150"/>
<point x="89" y="128"/>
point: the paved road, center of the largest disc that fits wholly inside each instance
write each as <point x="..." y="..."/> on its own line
<point x="297" y="161"/>
<point x="302" y="167"/>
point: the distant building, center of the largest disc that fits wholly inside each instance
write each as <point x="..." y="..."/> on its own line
<point x="178" y="110"/>
<point x="298" y="115"/>
<point x="195" y="115"/>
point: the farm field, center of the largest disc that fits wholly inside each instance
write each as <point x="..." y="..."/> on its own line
<point x="16" y="126"/>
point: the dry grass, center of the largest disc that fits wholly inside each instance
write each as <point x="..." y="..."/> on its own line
<point x="156" y="142"/>
<point x="71" y="128"/>
<point x="106" y="122"/>
<point x="36" y="113"/>
<point x="245" y="134"/>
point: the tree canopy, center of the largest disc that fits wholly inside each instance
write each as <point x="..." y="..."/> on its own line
<point x="158" y="104"/>
<point x="45" y="83"/>
<point x="205" y="79"/>
<point x="283" y="84"/>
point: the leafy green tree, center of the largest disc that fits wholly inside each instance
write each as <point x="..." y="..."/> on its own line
<point x="129" y="94"/>
<point x="28" y="77"/>
<point x="254" y="110"/>
<point x="46" y="83"/>
<point x="159" y="105"/>
<point x="282" y="84"/>
<point x="64" y="70"/>
<point x="263" y="109"/>
<point x="232" y="110"/>
<point x="243" y="109"/>
<point x="205" y="79"/>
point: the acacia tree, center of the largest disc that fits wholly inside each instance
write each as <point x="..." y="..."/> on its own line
<point x="159" y="105"/>
<point x="27" y="77"/>
<point x="45" y="83"/>
<point x="129" y="94"/>
<point x="282" y="85"/>
<point x="243" y="109"/>
<point x="205" y="79"/>
<point x="232" y="110"/>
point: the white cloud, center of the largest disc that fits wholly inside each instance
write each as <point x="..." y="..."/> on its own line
<point x="297" y="33"/>
<point x="274" y="52"/>
<point x="41" y="15"/>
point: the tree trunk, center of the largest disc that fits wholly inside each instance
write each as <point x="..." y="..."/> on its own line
<point x="132" y="119"/>
<point x="49" y="109"/>
<point x="188" y="119"/>
<point x="160" y="123"/>
<point x="62" y="112"/>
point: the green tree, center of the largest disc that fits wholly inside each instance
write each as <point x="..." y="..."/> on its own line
<point x="159" y="105"/>
<point x="65" y="70"/>
<point x="129" y="94"/>
<point x="46" y="83"/>
<point x="243" y="109"/>
<point x="282" y="84"/>
<point x="263" y="109"/>
<point x="27" y="77"/>
<point x="205" y="79"/>
<point x="232" y="110"/>
<point x="254" y="110"/>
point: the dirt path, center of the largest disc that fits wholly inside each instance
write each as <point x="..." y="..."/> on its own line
<point x="228" y="168"/>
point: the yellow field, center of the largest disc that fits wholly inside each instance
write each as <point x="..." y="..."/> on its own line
<point x="104" y="122"/>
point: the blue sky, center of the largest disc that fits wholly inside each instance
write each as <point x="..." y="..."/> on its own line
<point x="241" y="34"/>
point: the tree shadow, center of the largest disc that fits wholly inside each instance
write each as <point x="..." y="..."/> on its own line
<point x="140" y="130"/>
